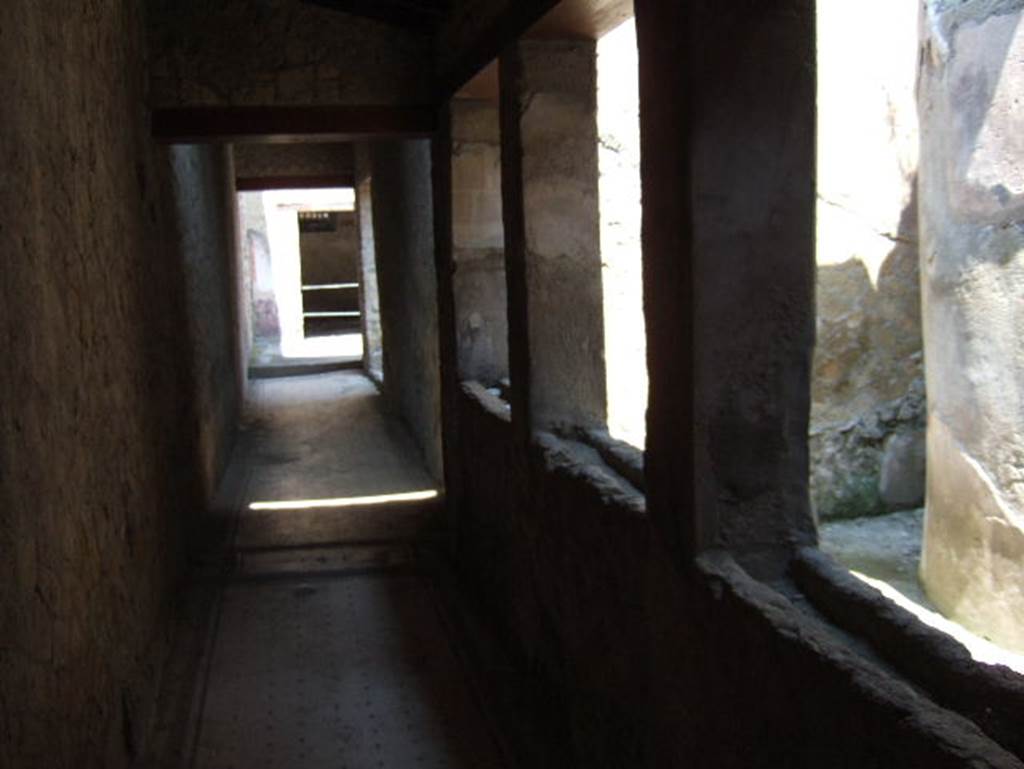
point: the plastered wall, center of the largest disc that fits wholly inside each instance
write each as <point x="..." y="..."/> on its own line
<point x="202" y="183"/>
<point x="972" y="270"/>
<point x="369" y="295"/>
<point x="404" y="244"/>
<point x="99" y="423"/>
<point x="481" y="305"/>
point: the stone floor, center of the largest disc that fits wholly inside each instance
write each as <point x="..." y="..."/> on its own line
<point x="318" y="353"/>
<point x="323" y="640"/>
<point x="886" y="548"/>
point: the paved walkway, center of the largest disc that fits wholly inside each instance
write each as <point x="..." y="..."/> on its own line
<point x="328" y="645"/>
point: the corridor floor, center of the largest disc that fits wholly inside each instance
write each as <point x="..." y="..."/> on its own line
<point x="328" y="644"/>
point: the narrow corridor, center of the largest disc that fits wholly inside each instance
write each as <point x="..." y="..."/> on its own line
<point x="328" y="645"/>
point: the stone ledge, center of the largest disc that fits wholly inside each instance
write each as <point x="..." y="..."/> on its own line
<point x="948" y="731"/>
<point x="623" y="458"/>
<point x="583" y="462"/>
<point x="492" y="404"/>
<point x="990" y="695"/>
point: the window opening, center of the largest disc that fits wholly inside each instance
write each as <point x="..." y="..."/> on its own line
<point x="625" y="349"/>
<point x="869" y="412"/>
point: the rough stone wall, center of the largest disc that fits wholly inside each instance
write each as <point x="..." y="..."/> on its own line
<point x="301" y="159"/>
<point x="648" y="664"/>
<point x="972" y="265"/>
<point x="404" y="241"/>
<point x="98" y="430"/>
<point x="281" y="52"/>
<point x="481" y="304"/>
<point x="867" y="394"/>
<point x="369" y="295"/>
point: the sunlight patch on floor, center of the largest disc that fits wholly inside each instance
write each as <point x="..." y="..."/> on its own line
<point x="335" y="502"/>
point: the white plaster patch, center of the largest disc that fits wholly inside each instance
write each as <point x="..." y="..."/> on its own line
<point x="997" y="157"/>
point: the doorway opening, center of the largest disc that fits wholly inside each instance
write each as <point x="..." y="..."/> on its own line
<point x="302" y="272"/>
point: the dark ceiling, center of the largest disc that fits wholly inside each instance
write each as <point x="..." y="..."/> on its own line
<point x="573" y="19"/>
<point x="423" y="15"/>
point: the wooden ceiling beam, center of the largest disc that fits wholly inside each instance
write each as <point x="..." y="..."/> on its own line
<point x="281" y="124"/>
<point x="261" y="183"/>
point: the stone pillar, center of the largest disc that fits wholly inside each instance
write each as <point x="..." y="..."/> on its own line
<point x="281" y="211"/>
<point x="266" y="327"/>
<point x="368" y="296"/>
<point x="447" y="342"/>
<point x="972" y="274"/>
<point x="727" y="115"/>
<point x="552" y="233"/>
<point x="481" y="306"/>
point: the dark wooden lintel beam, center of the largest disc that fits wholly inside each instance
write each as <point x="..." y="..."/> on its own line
<point x="260" y="183"/>
<point x="279" y="124"/>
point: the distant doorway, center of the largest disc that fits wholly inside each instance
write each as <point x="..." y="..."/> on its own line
<point x="302" y="272"/>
